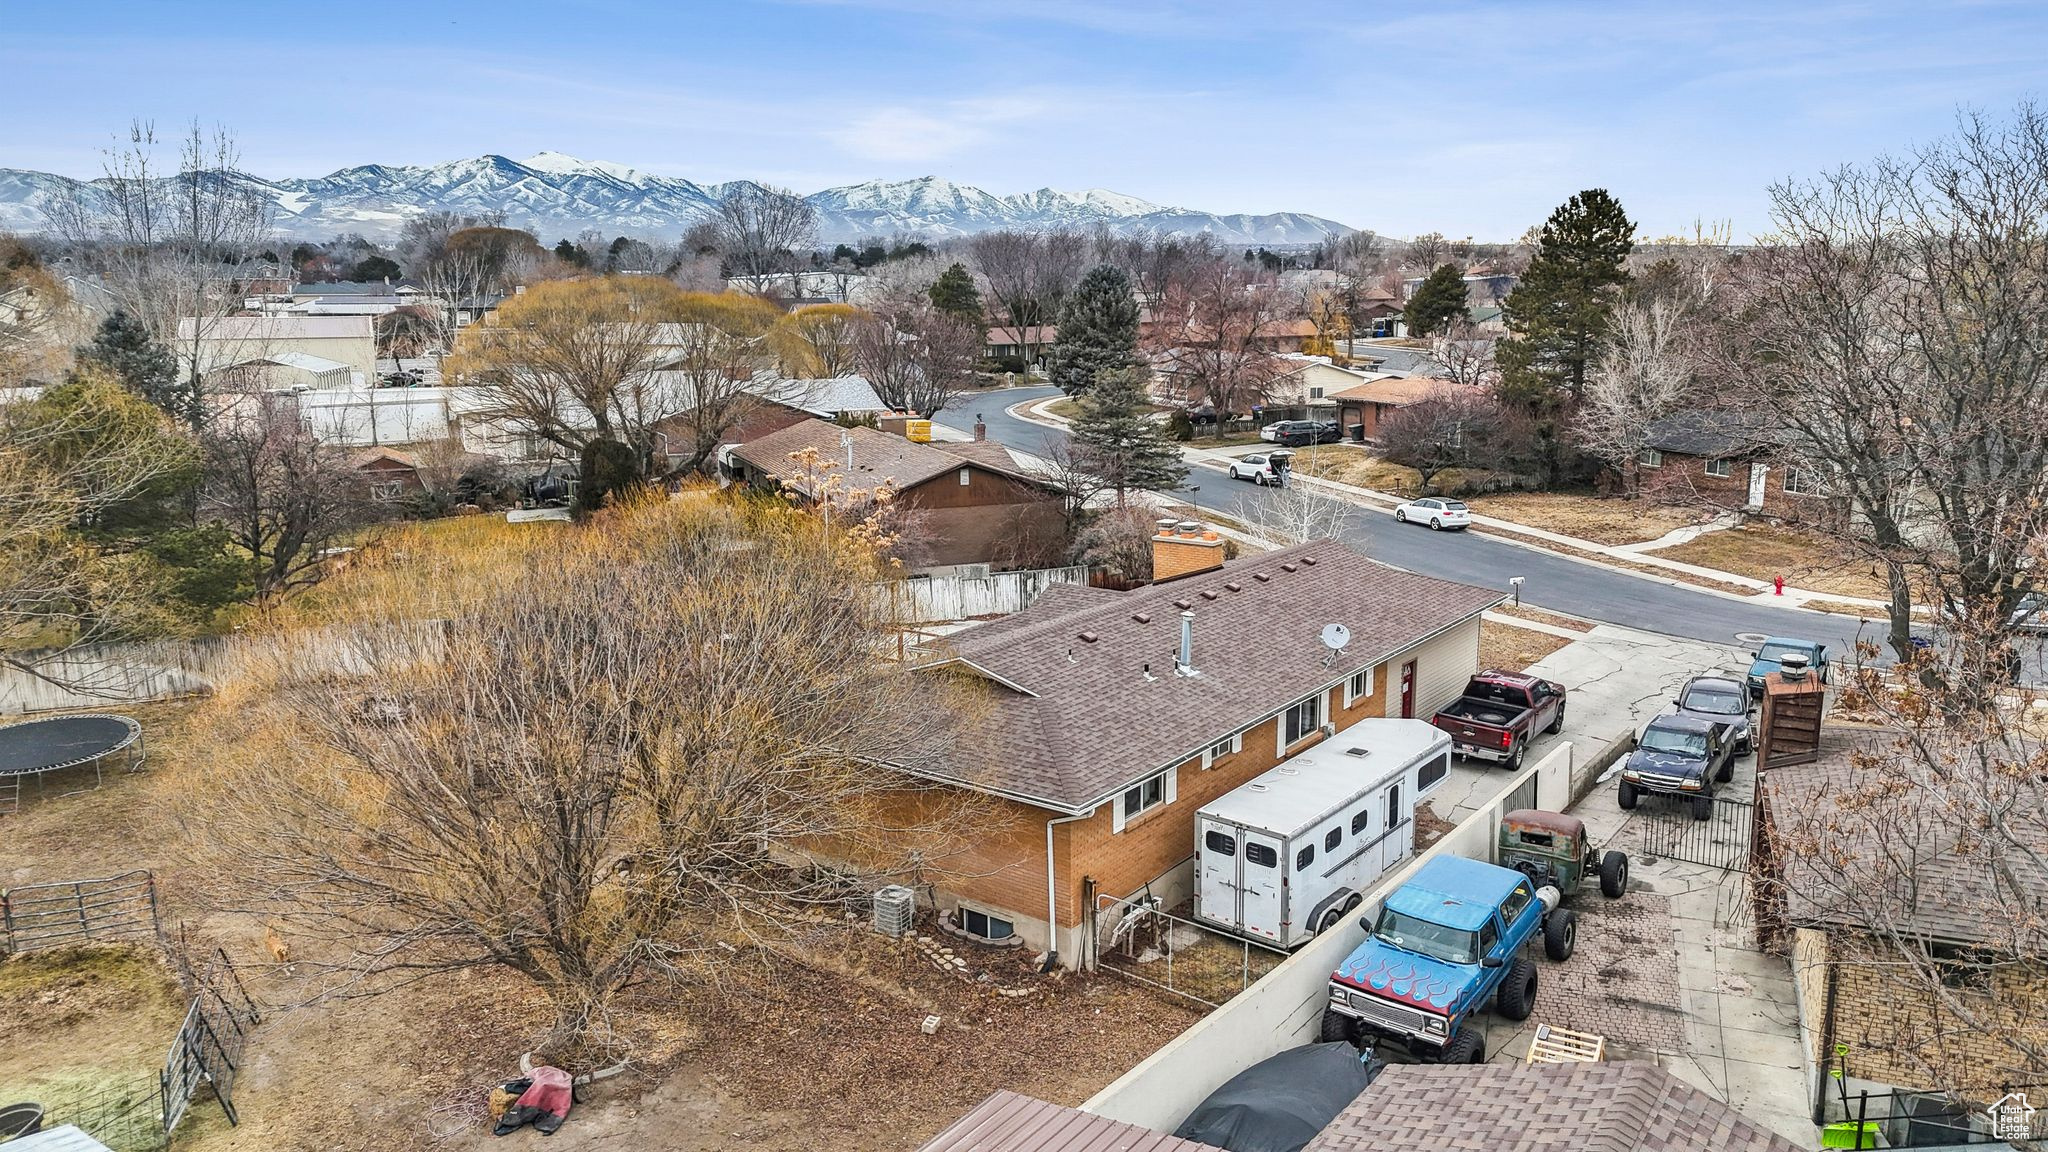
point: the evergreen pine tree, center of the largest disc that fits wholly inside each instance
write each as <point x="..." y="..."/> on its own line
<point x="954" y="294"/>
<point x="1114" y="438"/>
<point x="123" y="347"/>
<point x="1438" y="300"/>
<point x="1559" y="313"/>
<point x="1098" y="330"/>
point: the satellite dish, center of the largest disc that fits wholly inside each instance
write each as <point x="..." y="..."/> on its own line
<point x="1335" y="637"/>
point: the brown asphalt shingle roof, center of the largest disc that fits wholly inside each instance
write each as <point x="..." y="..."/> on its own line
<point x="877" y="456"/>
<point x="1076" y="721"/>
<point x="1396" y="390"/>
<point x="1621" y="1106"/>
<point x="1007" y="1122"/>
<point x="1842" y="801"/>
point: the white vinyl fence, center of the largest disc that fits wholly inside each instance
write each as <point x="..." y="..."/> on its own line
<point x="972" y="597"/>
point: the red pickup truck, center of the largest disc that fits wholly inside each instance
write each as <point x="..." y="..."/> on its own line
<point x="1500" y="713"/>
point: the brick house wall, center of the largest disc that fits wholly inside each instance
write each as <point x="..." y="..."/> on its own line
<point x="1896" y="1033"/>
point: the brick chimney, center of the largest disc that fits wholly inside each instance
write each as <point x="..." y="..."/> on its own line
<point x="980" y="429"/>
<point x="1184" y="548"/>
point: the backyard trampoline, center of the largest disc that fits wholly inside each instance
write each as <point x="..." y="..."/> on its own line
<point x="39" y="747"/>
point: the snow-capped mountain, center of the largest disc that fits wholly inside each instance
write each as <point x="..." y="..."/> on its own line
<point x="558" y="195"/>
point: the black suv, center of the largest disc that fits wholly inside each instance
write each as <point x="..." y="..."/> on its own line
<point x="1295" y="433"/>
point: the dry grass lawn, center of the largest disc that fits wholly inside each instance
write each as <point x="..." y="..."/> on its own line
<point x="1349" y="464"/>
<point x="1513" y="649"/>
<point x="1603" y="520"/>
<point x="1761" y="552"/>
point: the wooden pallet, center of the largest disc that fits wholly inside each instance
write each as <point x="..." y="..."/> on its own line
<point x="1563" y="1046"/>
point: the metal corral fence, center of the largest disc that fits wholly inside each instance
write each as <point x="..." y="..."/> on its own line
<point x="1668" y="831"/>
<point x="209" y="1045"/>
<point x="1139" y="941"/>
<point x="58" y="915"/>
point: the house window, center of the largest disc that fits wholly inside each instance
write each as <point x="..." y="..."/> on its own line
<point x="1964" y="969"/>
<point x="1719" y="469"/>
<point x="1333" y="838"/>
<point x="1804" y="482"/>
<point x="963" y="477"/>
<point x="386" y="490"/>
<point x="1315" y="393"/>
<point x="1651" y="458"/>
<point x="1305" y="857"/>
<point x="1358" y="687"/>
<point x="1297" y="722"/>
<point x="979" y="923"/>
<point x="1142" y="798"/>
<point x="1222" y="748"/>
<point x="1432" y="773"/>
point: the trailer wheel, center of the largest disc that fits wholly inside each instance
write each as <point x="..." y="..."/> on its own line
<point x="1560" y="934"/>
<point x="1330" y="919"/>
<point x="1517" y="995"/>
<point x="1613" y="875"/>
<point x="1337" y="1027"/>
<point x="1625" y="794"/>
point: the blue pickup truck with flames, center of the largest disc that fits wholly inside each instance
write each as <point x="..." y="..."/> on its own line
<point x="1442" y="946"/>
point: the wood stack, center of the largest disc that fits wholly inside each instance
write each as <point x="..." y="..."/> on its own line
<point x="1789" y="729"/>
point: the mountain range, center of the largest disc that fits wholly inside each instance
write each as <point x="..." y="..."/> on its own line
<point x="558" y="195"/>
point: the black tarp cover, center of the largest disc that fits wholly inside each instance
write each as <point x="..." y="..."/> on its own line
<point x="1278" y="1105"/>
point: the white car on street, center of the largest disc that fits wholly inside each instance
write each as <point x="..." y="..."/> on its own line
<point x="1436" y="512"/>
<point x="1261" y="468"/>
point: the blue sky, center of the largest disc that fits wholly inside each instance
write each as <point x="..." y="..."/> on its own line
<point x="1469" y="118"/>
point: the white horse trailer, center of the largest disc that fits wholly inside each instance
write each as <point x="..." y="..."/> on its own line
<point x="1286" y="855"/>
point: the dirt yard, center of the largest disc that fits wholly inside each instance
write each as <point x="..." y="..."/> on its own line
<point x="1762" y="552"/>
<point x="818" y="1045"/>
<point x="1603" y="520"/>
<point x="1512" y="649"/>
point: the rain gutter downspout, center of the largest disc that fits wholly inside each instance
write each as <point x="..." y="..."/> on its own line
<point x="1052" y="892"/>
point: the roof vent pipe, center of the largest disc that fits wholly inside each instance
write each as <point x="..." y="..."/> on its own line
<point x="1185" y="665"/>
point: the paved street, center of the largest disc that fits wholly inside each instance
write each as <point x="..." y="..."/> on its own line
<point x="1551" y="580"/>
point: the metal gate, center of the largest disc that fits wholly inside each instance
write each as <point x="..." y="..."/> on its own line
<point x="209" y="1045"/>
<point x="75" y="912"/>
<point x="1722" y="840"/>
<point x="1138" y="940"/>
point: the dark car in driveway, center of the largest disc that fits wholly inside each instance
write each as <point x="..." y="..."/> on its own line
<point x="1296" y="433"/>
<point x="1679" y="756"/>
<point x="1718" y="700"/>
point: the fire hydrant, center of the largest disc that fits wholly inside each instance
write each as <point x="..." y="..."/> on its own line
<point x="1777" y="585"/>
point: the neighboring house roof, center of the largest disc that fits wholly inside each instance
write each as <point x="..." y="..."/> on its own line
<point x="303" y="361"/>
<point x="383" y="455"/>
<point x="1396" y="390"/>
<point x="1711" y="432"/>
<point x="1077" y="721"/>
<point x="877" y="456"/>
<point x="824" y="397"/>
<point x="1030" y="334"/>
<point x="1285" y="329"/>
<point x="278" y="326"/>
<point x="1613" y="1106"/>
<point x="1943" y="893"/>
<point x="1007" y="1122"/>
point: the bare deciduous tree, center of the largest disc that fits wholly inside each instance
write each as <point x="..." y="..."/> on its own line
<point x="1208" y="332"/>
<point x="916" y="357"/>
<point x="1295" y="514"/>
<point x="283" y="496"/>
<point x="1463" y="355"/>
<point x="1029" y="274"/>
<point x="675" y="738"/>
<point x="1898" y="324"/>
<point x="760" y="230"/>
<point x="1647" y="373"/>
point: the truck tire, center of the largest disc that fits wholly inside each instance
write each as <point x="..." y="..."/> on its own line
<point x="1467" y="1047"/>
<point x="1727" y="771"/>
<point x="1517" y="995"/>
<point x="1625" y="795"/>
<point x="1515" y="756"/>
<point x="1614" y="875"/>
<point x="1337" y="1027"/>
<point x="1556" y="722"/>
<point x="1703" y="807"/>
<point x="1560" y="934"/>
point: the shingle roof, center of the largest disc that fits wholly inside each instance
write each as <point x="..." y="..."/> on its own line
<point x="278" y="326"/>
<point x="1843" y="797"/>
<point x="1620" y="1106"/>
<point x="1076" y="721"/>
<point x="1007" y="1122"/>
<point x="877" y="456"/>
<point x="1398" y="390"/>
<point x="1711" y="432"/>
<point x="1030" y="334"/>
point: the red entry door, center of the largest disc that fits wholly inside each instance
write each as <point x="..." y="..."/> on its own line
<point x="1408" y="690"/>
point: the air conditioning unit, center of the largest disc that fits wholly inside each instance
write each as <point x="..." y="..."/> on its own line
<point x="895" y="910"/>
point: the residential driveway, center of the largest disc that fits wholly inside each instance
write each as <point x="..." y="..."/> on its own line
<point x="1616" y="679"/>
